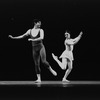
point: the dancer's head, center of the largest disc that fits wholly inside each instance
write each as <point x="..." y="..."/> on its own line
<point x="37" y="23"/>
<point x="67" y="34"/>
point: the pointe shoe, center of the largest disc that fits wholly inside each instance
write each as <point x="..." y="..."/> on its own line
<point x="53" y="72"/>
<point x="65" y="80"/>
<point x="55" y="57"/>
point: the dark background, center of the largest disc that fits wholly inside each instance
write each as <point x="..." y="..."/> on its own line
<point x="57" y="16"/>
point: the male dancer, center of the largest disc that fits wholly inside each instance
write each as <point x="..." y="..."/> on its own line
<point x="37" y="35"/>
<point x="67" y="55"/>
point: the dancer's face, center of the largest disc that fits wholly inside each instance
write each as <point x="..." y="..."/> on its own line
<point x="67" y="35"/>
<point x="37" y="25"/>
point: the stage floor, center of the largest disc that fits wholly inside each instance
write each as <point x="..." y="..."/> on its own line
<point x="50" y="90"/>
<point x="50" y="83"/>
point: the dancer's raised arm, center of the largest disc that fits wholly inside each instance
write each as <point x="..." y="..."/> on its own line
<point x="21" y="36"/>
<point x="77" y="38"/>
<point x="73" y="41"/>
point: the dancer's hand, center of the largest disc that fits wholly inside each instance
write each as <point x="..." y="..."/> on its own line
<point x="10" y="36"/>
<point x="29" y="39"/>
<point x="81" y="33"/>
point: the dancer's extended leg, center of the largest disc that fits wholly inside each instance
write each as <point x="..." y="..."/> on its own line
<point x="62" y="64"/>
<point x="43" y="58"/>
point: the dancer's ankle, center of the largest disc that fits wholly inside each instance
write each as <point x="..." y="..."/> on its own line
<point x="38" y="77"/>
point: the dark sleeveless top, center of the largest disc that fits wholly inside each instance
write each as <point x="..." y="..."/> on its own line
<point x="34" y="43"/>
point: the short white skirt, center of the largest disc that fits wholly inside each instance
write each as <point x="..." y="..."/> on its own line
<point x="67" y="54"/>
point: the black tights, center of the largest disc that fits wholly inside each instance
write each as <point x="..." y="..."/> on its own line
<point x="39" y="52"/>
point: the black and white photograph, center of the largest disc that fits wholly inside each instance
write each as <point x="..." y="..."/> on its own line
<point x="49" y="49"/>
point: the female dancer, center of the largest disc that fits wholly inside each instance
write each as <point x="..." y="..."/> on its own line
<point x="67" y="55"/>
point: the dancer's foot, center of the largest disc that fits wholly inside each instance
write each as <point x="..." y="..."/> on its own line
<point x="52" y="71"/>
<point x="54" y="57"/>
<point x="65" y="80"/>
<point x="38" y="81"/>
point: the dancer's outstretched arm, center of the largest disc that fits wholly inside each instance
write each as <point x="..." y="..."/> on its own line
<point x="40" y="38"/>
<point x="73" y="41"/>
<point x="77" y="38"/>
<point x="21" y="36"/>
